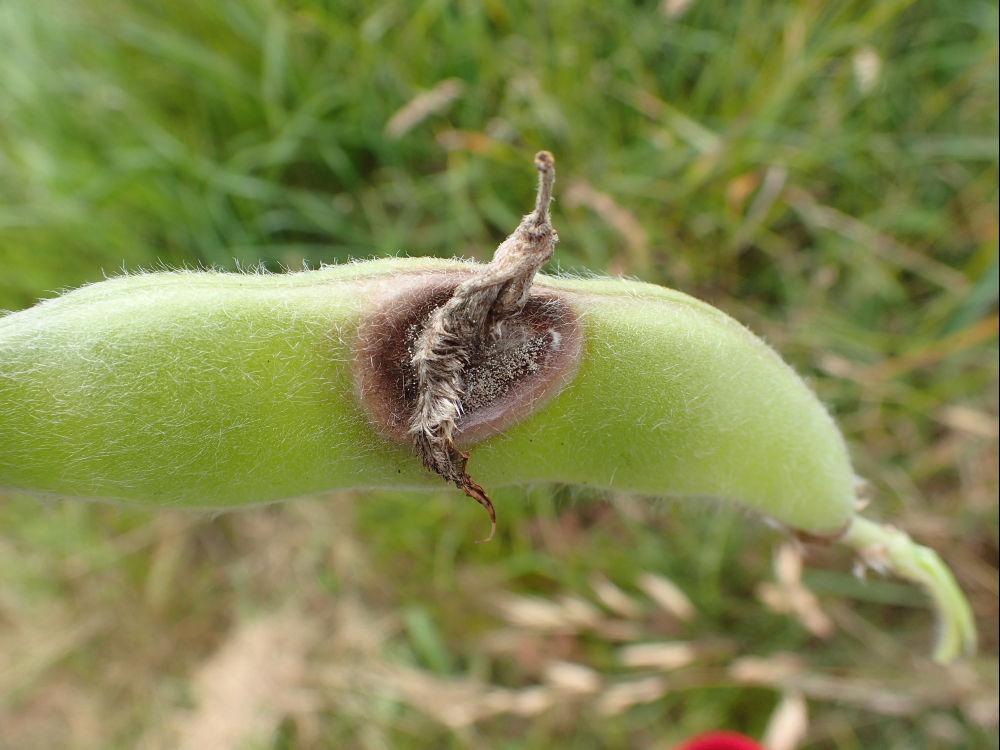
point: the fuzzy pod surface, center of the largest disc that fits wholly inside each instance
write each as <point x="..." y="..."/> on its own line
<point x="211" y="389"/>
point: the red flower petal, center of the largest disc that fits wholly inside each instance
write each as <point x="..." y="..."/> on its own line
<point x="720" y="741"/>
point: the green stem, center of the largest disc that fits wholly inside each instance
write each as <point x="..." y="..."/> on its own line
<point x="886" y="548"/>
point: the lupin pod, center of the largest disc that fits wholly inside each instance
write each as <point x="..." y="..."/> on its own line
<point x="207" y="389"/>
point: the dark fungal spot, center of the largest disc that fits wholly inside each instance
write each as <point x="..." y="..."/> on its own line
<point x="514" y="372"/>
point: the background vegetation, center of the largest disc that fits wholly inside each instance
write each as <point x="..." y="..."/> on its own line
<point x="825" y="172"/>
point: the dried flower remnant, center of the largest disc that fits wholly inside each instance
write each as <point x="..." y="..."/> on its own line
<point x="473" y="321"/>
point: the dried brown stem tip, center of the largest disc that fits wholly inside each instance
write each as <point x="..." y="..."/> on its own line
<point x="472" y="319"/>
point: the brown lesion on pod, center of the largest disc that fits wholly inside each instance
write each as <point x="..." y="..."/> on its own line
<point x="460" y="360"/>
<point x="507" y="380"/>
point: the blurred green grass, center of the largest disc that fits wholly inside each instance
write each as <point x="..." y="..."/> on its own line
<point x="826" y="172"/>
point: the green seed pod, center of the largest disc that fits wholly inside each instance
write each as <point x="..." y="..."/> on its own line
<point x="207" y="389"/>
